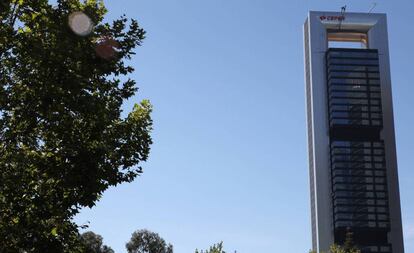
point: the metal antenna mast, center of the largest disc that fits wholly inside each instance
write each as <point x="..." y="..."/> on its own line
<point x="343" y="10"/>
<point x="373" y="7"/>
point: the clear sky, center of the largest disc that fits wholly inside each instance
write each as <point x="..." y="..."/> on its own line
<point x="229" y="159"/>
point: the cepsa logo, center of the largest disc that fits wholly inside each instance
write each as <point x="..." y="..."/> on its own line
<point x="332" y="18"/>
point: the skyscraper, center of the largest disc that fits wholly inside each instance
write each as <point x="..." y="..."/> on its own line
<point x="352" y="154"/>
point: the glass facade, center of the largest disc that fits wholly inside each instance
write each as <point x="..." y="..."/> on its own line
<point x="357" y="152"/>
<point x="354" y="87"/>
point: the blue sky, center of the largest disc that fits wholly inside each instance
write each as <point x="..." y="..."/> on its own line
<point x="229" y="159"/>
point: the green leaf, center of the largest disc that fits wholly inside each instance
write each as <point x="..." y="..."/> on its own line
<point x="16" y="220"/>
<point x="54" y="231"/>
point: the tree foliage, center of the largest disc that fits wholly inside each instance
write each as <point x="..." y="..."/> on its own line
<point x="92" y="243"/>
<point x="63" y="141"/>
<point x="216" y="248"/>
<point x="144" y="241"/>
<point x="349" y="244"/>
<point x="341" y="249"/>
<point x="347" y="247"/>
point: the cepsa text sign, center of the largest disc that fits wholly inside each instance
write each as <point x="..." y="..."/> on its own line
<point x="332" y="18"/>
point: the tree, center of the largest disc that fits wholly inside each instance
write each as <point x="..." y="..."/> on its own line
<point x="216" y="248"/>
<point x="93" y="243"/>
<point x="144" y="241"/>
<point x="339" y="249"/>
<point x="347" y="247"/>
<point x="349" y="241"/>
<point x="63" y="141"/>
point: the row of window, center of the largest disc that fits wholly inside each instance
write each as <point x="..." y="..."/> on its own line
<point x="353" y="88"/>
<point x="354" y="81"/>
<point x="377" y="249"/>
<point x="357" y="151"/>
<point x="348" y="74"/>
<point x="355" y="115"/>
<point x="361" y="180"/>
<point x="352" y="68"/>
<point x="359" y="187"/>
<point x="355" y="188"/>
<point x="360" y="194"/>
<point x="343" y="106"/>
<point x="361" y="209"/>
<point x="356" y="122"/>
<point x="356" y="109"/>
<point x="358" y="165"/>
<point x="357" y="144"/>
<point x="359" y="108"/>
<point x="354" y="177"/>
<point x="354" y="118"/>
<point x="359" y="172"/>
<point x="361" y="217"/>
<point x="354" y="94"/>
<point x="355" y="101"/>
<point x="363" y="224"/>
<point x="353" y="54"/>
<point x="362" y="201"/>
<point x="357" y="162"/>
<point x="358" y="158"/>
<point x="355" y="61"/>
